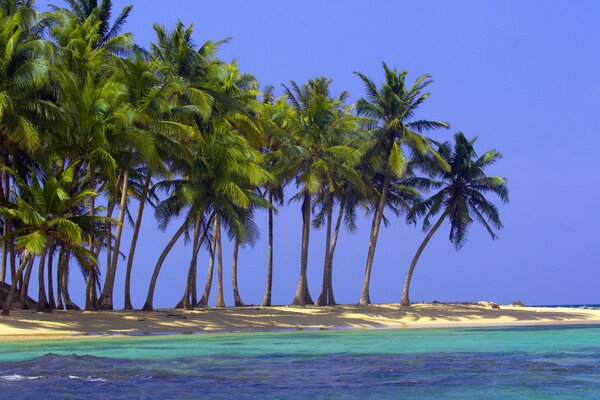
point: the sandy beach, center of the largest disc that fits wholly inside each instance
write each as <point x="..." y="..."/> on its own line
<point x="28" y="325"/>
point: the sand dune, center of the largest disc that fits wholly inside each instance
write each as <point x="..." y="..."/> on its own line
<point x="27" y="325"/>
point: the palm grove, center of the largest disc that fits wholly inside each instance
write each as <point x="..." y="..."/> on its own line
<point x="95" y="131"/>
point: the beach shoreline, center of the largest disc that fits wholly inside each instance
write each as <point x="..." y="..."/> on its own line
<point x="28" y="325"/>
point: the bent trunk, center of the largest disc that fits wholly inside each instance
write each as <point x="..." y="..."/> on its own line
<point x="106" y="298"/>
<point x="136" y="232"/>
<point x="405" y="297"/>
<point x="267" y="298"/>
<point x="234" y="278"/>
<point x="148" y="305"/>
<point x="24" y="288"/>
<point x="365" y="297"/>
<point x="336" y="232"/>
<point x="13" y="288"/>
<point x="220" y="299"/>
<point x="302" y="296"/>
<point x="211" y="266"/>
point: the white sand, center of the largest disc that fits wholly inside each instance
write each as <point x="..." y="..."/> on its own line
<point x="28" y="325"/>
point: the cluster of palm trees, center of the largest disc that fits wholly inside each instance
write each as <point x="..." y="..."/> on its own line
<point x="92" y="125"/>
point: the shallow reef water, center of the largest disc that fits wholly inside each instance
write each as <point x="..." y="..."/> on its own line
<point x="550" y="362"/>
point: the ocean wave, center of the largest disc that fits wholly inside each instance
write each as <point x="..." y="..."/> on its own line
<point x="17" y="377"/>
<point x="88" y="379"/>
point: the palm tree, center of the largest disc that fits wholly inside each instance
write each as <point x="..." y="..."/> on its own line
<point x="273" y="117"/>
<point x="391" y="108"/>
<point x="43" y="213"/>
<point x="102" y="12"/>
<point x="318" y="150"/>
<point x="221" y="180"/>
<point x="23" y="105"/>
<point x="99" y="118"/>
<point x="460" y="198"/>
<point x="154" y="95"/>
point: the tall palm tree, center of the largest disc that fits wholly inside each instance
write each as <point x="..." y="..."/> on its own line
<point x="24" y="106"/>
<point x="460" y="198"/>
<point x="273" y="118"/>
<point x="391" y="108"/>
<point x="99" y="118"/>
<point x="318" y="150"/>
<point x="153" y="96"/>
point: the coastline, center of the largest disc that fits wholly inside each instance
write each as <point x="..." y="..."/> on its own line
<point x="28" y="325"/>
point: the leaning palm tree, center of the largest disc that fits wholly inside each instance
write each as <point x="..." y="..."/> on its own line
<point x="460" y="199"/>
<point x="391" y="109"/>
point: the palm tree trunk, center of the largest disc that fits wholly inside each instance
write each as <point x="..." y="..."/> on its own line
<point x="13" y="261"/>
<point x="336" y="232"/>
<point x="6" y="229"/>
<point x="64" y="276"/>
<point x="237" y="300"/>
<point x="148" y="305"/>
<point x="266" y="302"/>
<point x="51" y="302"/>
<point x="323" y="299"/>
<point x="59" y="289"/>
<point x="4" y="253"/>
<point x="365" y="297"/>
<point x="92" y="204"/>
<point x="211" y="264"/>
<point x="42" y="304"/>
<point x="220" y="298"/>
<point x="91" y="303"/>
<point x="13" y="288"/>
<point x="134" y="239"/>
<point x="90" y="288"/>
<point x="24" y="288"/>
<point x="186" y="301"/>
<point x="405" y="297"/>
<point x="108" y="228"/>
<point x="302" y="296"/>
<point x="106" y="298"/>
<point x="193" y="277"/>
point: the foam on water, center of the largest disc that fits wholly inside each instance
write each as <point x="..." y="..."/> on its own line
<point x="17" y="377"/>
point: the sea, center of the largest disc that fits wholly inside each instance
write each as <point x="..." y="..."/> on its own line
<point x="525" y="362"/>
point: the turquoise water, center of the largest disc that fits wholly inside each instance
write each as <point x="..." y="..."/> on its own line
<point x="491" y="363"/>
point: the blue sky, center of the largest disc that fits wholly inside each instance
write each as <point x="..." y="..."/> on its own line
<point x="522" y="76"/>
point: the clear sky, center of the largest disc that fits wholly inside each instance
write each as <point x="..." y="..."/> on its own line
<point x="523" y="76"/>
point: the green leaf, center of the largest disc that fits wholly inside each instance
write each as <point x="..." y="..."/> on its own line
<point x="397" y="161"/>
